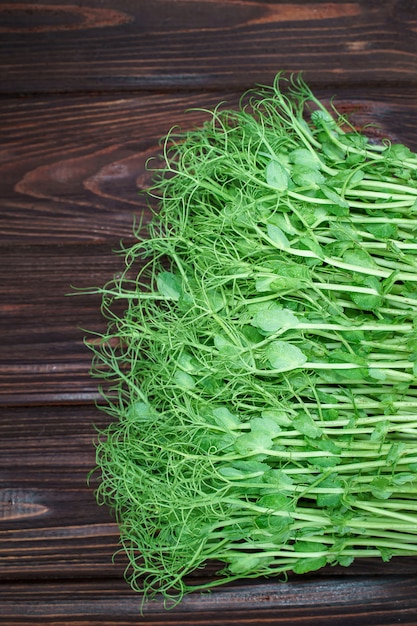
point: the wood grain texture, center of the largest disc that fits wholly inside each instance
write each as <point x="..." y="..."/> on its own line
<point x="355" y="601"/>
<point x="87" y="91"/>
<point x="62" y="46"/>
<point x="44" y="359"/>
<point x="326" y="602"/>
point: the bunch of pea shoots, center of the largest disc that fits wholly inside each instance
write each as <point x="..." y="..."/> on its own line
<point x="260" y="351"/>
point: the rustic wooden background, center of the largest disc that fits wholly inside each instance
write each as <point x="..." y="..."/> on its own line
<point x="86" y="90"/>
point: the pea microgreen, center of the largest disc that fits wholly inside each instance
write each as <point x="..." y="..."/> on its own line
<point x="261" y="378"/>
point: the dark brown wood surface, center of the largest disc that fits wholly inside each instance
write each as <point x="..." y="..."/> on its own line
<point x="87" y="89"/>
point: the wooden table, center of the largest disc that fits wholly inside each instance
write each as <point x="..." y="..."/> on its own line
<point x="86" y="91"/>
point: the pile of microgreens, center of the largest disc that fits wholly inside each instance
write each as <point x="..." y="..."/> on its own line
<point x="262" y="374"/>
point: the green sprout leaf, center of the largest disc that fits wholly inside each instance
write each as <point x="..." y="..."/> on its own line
<point x="277" y="236"/>
<point x="284" y="356"/>
<point x="276" y="176"/>
<point x="253" y="442"/>
<point x="169" y="285"/>
<point x="309" y="564"/>
<point x="305" y="424"/>
<point x="224" y="418"/>
<point x="273" y="318"/>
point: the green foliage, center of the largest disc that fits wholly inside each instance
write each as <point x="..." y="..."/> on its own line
<point x="261" y="378"/>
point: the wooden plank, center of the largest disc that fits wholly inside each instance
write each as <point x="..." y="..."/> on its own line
<point x="71" y="167"/>
<point x="61" y="46"/>
<point x="43" y="358"/>
<point x="378" y="602"/>
<point x="50" y="523"/>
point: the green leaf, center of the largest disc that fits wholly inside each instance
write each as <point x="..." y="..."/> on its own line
<point x="382" y="231"/>
<point x="213" y="443"/>
<point x="279" y="479"/>
<point x="253" y="442"/>
<point x="265" y="425"/>
<point x="188" y="363"/>
<point x="396" y="451"/>
<point x="252" y="334"/>
<point x="273" y="318"/>
<point x="381" y="488"/>
<point x="231" y="473"/>
<point x="352" y="159"/>
<point x="251" y="467"/>
<point x="279" y="284"/>
<point x="244" y="470"/>
<point x="345" y="232"/>
<point x="398" y="151"/>
<point x="367" y="302"/>
<point x="246" y="563"/>
<point x="344" y="356"/>
<point x="224" y="418"/>
<point x="274" y="523"/>
<point x="326" y="445"/>
<point x="380" y="431"/>
<point x="141" y="412"/>
<point x="306" y="426"/>
<point x="277" y="502"/>
<point x="402" y="478"/>
<point x="277" y="236"/>
<point x="321" y="118"/>
<point x="225" y="346"/>
<point x="377" y="374"/>
<point x="336" y="209"/>
<point x="210" y="384"/>
<point x="277" y="176"/>
<point x="386" y="554"/>
<point x="309" y="564"/>
<point x="355" y="139"/>
<point x="303" y="545"/>
<point x="312" y="245"/>
<point x="284" y="356"/>
<point x="331" y="195"/>
<point x="333" y="152"/>
<point x="306" y="158"/>
<point x="329" y="500"/>
<point x="279" y="219"/>
<point x="345" y="561"/>
<point x="360" y="258"/>
<point x="215" y="300"/>
<point x="263" y="284"/>
<point x="169" y="285"/>
<point x="280" y="417"/>
<point x="324" y="462"/>
<point x="184" y="380"/>
<point x="341" y="376"/>
<point x="305" y="176"/>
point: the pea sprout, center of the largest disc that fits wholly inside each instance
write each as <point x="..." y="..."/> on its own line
<point x="261" y="378"/>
